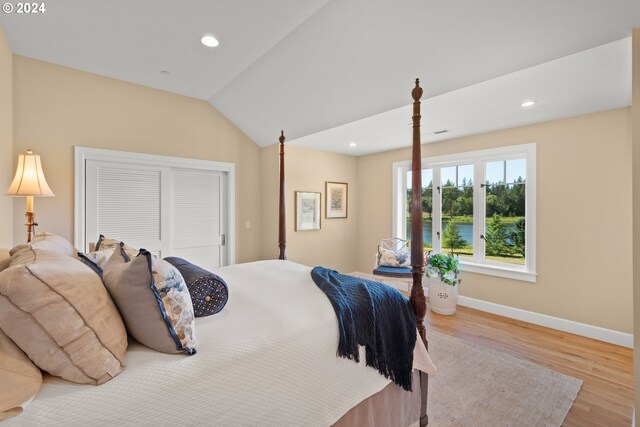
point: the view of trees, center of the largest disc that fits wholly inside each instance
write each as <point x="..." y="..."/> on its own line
<point x="504" y="241"/>
<point x="451" y="237"/>
<point x="457" y="201"/>
<point x="427" y="200"/>
<point x="506" y="200"/>
<point x="505" y="209"/>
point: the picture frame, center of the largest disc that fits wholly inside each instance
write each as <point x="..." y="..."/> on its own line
<point x="336" y="200"/>
<point x="307" y="210"/>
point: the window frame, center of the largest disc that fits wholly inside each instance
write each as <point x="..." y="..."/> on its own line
<point x="479" y="159"/>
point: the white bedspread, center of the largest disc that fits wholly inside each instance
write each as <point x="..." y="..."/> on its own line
<point x="268" y="359"/>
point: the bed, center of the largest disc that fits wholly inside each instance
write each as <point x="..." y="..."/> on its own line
<point x="268" y="359"/>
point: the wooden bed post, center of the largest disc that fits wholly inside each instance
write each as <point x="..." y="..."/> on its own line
<point x="417" y="299"/>
<point x="282" y="232"/>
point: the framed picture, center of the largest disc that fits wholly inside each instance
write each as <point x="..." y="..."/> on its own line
<point x="337" y="199"/>
<point x="307" y="210"/>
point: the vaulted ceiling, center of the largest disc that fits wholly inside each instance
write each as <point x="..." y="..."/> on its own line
<point x="307" y="66"/>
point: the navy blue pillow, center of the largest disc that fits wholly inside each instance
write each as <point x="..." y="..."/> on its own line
<point x="209" y="293"/>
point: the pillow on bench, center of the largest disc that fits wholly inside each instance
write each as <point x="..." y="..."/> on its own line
<point x="390" y="258"/>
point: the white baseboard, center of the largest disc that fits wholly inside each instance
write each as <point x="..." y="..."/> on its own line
<point x="582" y="329"/>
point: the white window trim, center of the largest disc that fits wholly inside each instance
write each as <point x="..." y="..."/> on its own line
<point x="479" y="158"/>
<point x="82" y="154"/>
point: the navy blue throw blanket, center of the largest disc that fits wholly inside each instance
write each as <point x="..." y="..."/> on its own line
<point x="376" y="316"/>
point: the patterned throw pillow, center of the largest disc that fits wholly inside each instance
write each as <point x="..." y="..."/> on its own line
<point x="389" y="258"/>
<point x="209" y="292"/>
<point x="103" y="250"/>
<point x="153" y="300"/>
<point x="107" y="245"/>
<point x="100" y="258"/>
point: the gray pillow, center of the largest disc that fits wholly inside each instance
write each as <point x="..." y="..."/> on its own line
<point x="153" y="300"/>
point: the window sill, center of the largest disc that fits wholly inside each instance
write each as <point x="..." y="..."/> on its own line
<point x="493" y="270"/>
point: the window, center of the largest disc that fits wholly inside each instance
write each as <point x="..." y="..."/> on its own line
<point x="481" y="209"/>
<point x="427" y="207"/>
<point x="456" y="201"/>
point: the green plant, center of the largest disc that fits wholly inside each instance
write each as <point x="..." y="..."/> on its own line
<point x="444" y="267"/>
<point x="452" y="238"/>
<point x="496" y="237"/>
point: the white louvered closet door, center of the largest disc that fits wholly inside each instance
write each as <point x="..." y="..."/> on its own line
<point x="125" y="201"/>
<point x="198" y="220"/>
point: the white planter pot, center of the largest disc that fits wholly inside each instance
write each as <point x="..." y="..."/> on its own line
<point x="443" y="298"/>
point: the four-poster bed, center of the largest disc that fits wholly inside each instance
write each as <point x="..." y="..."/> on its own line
<point x="417" y="297"/>
<point x="268" y="358"/>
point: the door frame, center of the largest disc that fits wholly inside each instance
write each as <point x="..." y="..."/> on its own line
<point x="82" y="154"/>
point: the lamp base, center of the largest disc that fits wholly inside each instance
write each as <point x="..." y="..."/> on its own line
<point x="31" y="224"/>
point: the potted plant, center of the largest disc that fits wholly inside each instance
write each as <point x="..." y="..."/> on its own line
<point x="443" y="281"/>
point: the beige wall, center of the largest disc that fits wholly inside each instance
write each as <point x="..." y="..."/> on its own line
<point x="56" y="108"/>
<point x="335" y="244"/>
<point x="6" y="141"/>
<point x="636" y="209"/>
<point x="583" y="197"/>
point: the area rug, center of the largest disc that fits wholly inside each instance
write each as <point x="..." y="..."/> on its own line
<point x="477" y="386"/>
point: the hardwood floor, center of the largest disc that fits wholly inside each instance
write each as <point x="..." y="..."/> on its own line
<point x="606" y="397"/>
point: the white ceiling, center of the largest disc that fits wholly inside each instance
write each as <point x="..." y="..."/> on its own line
<point x="594" y="80"/>
<point x="306" y="66"/>
<point x="134" y="40"/>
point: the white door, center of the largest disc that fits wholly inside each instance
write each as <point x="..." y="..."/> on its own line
<point x="170" y="211"/>
<point x="198" y="222"/>
<point x="125" y="201"/>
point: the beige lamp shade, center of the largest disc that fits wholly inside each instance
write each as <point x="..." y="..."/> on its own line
<point x="29" y="179"/>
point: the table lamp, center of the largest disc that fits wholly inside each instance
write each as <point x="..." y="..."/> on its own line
<point x="29" y="181"/>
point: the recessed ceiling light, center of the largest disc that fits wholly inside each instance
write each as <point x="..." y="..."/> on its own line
<point x="527" y="103"/>
<point x="353" y="144"/>
<point x="209" y="41"/>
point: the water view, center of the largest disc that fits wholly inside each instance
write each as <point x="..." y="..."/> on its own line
<point x="465" y="230"/>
